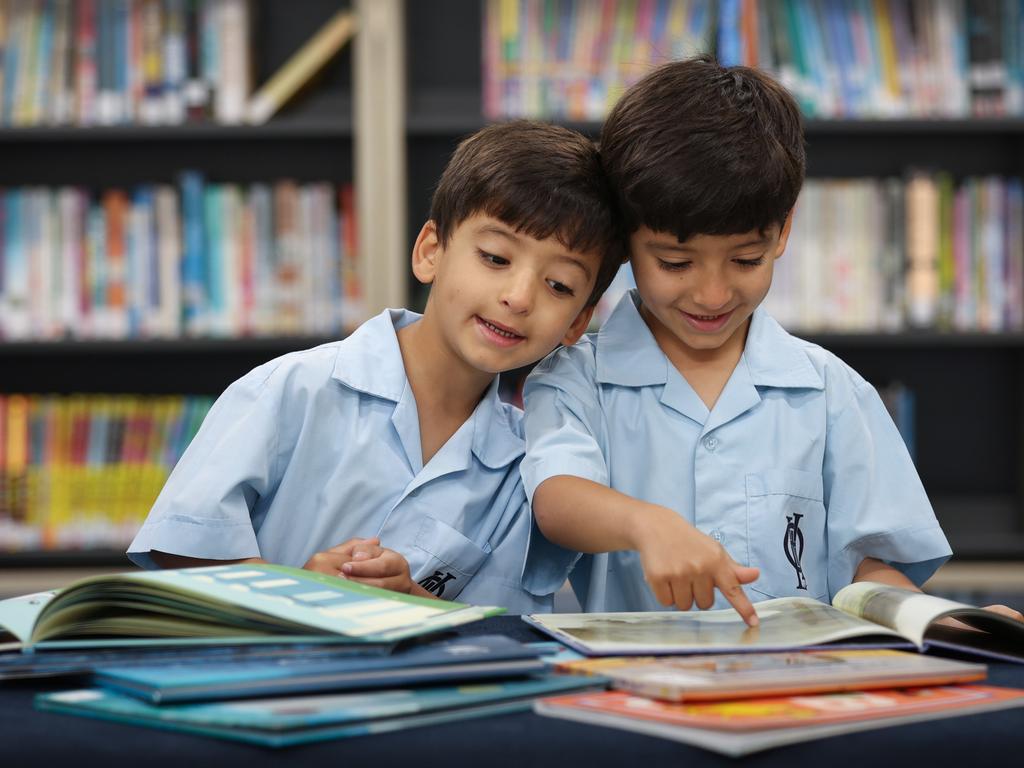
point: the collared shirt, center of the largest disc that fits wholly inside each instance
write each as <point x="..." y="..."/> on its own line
<point x="320" y="446"/>
<point x="797" y="470"/>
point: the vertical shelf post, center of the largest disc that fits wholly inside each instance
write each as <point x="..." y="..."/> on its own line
<point x="380" y="165"/>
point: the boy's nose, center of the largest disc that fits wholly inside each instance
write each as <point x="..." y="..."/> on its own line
<point x="712" y="295"/>
<point x="518" y="297"/>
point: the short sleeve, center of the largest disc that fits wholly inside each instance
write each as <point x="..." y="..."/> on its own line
<point x="204" y="509"/>
<point x="563" y="422"/>
<point x="564" y="434"/>
<point x="877" y="506"/>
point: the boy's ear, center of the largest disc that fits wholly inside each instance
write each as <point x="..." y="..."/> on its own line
<point x="579" y="326"/>
<point x="426" y="253"/>
<point x="787" y="227"/>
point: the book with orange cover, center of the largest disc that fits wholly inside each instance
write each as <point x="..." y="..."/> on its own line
<point x="750" y="725"/>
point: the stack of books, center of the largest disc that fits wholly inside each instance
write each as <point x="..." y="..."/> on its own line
<point x="740" y="690"/>
<point x="266" y="655"/>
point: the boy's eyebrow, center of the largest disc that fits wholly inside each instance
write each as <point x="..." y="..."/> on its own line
<point x="494" y="229"/>
<point x="659" y="245"/>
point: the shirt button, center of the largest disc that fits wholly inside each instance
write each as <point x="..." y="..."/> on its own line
<point x="717" y="535"/>
<point x="711" y="443"/>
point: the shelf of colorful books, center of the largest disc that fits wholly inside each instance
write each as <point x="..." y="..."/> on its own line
<point x="271" y="346"/>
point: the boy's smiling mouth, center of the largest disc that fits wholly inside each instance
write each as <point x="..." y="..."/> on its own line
<point x="707" y="323"/>
<point x="498" y="333"/>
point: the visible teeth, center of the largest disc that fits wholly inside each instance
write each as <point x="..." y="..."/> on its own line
<point x="500" y="332"/>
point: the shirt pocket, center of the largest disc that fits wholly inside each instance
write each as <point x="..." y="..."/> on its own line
<point x="452" y="559"/>
<point x="786" y="533"/>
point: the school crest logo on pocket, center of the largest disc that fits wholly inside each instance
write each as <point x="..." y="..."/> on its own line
<point x="793" y="546"/>
<point x="434" y="584"/>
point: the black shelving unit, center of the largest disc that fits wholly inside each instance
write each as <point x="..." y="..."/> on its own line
<point x="311" y="139"/>
<point x="968" y="386"/>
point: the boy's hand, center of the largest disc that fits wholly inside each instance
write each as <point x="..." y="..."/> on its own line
<point x="332" y="560"/>
<point x="683" y="566"/>
<point x="1005" y="610"/>
<point x="383" y="568"/>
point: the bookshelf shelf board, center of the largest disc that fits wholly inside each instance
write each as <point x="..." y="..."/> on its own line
<point x="276" y="345"/>
<point x="68" y="558"/>
<point x="339" y="128"/>
<point x="443" y="112"/>
<point x="914" y="339"/>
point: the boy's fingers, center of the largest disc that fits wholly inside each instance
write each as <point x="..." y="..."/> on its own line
<point x="745" y="574"/>
<point x="375" y="568"/>
<point x="733" y="592"/>
<point x="682" y="595"/>
<point x="662" y="592"/>
<point x="704" y="593"/>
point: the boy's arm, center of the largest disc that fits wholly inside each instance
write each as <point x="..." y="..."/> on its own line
<point x="681" y="564"/>
<point x="167" y="560"/>
<point x="880" y="573"/>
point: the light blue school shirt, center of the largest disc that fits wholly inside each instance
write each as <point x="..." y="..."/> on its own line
<point x="797" y="464"/>
<point x="319" y="446"/>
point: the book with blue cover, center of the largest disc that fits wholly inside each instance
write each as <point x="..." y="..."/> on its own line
<point x="286" y="721"/>
<point x="226" y="604"/>
<point x="475" y="658"/>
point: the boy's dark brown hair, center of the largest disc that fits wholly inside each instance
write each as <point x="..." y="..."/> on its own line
<point x="695" y="148"/>
<point x="542" y="180"/>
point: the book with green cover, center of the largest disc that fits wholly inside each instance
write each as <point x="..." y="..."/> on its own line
<point x="237" y="603"/>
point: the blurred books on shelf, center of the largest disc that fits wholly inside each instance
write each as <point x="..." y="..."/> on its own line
<point x="941" y="58"/>
<point x="886" y="255"/>
<point x="573" y="60"/>
<point x="304" y="64"/>
<point x="891" y="254"/>
<point x="223" y="260"/>
<point x="118" y="62"/>
<point x="81" y="472"/>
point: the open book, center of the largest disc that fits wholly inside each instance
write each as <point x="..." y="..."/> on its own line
<point x="238" y="603"/>
<point x="862" y="614"/>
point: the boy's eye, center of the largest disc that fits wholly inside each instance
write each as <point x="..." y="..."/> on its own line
<point x="561" y="288"/>
<point x="673" y="266"/>
<point x="498" y="261"/>
<point x="751" y="262"/>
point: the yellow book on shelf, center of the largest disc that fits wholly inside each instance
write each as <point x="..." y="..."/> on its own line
<point x="302" y="65"/>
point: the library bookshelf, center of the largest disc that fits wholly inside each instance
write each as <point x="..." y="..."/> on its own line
<point x="969" y="422"/>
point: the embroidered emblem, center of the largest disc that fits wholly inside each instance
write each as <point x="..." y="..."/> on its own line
<point x="793" y="546"/>
<point x="434" y="584"/>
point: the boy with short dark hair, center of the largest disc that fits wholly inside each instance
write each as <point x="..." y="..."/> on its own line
<point x="387" y="457"/>
<point x="692" y="444"/>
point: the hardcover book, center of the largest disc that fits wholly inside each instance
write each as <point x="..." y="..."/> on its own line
<point x="476" y="658"/>
<point x="864" y="613"/>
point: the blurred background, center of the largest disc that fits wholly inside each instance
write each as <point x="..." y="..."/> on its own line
<point x="192" y="187"/>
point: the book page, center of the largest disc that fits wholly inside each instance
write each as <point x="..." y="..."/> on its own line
<point x="18" y="614"/>
<point x="907" y="612"/>
<point x="791" y="622"/>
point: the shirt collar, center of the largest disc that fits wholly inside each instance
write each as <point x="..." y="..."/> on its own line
<point x="370" y="361"/>
<point x="628" y="355"/>
<point x="497" y="430"/>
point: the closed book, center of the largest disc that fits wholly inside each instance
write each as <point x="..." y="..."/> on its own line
<point x="476" y="658"/>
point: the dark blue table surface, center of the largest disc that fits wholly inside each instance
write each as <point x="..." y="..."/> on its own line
<point x="523" y="740"/>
